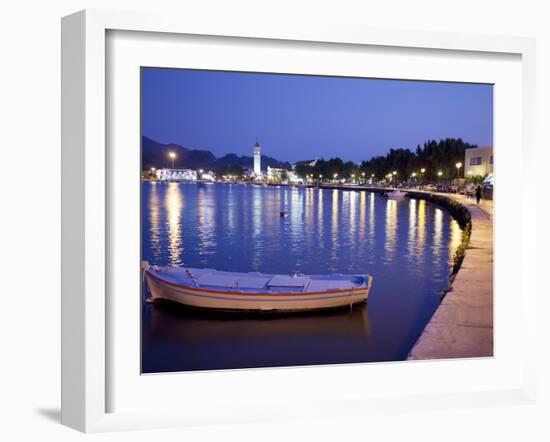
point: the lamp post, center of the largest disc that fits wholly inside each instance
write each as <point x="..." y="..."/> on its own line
<point x="458" y="166"/>
<point x="335" y="176"/>
<point x="439" y="176"/>
<point x="394" y="173"/>
<point x="172" y="156"/>
<point x="364" y="180"/>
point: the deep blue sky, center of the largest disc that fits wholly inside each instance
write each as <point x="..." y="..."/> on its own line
<point x="303" y="117"/>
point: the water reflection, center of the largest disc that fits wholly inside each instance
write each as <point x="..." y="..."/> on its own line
<point x="154" y="220"/>
<point x="174" y="204"/>
<point x="391" y="228"/>
<point x="196" y="339"/>
<point x="362" y="216"/>
<point x="411" y="243"/>
<point x="372" y="219"/>
<point x="406" y="245"/>
<point x="438" y="233"/>
<point x="421" y="229"/>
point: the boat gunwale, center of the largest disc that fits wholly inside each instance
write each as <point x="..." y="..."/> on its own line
<point x="296" y="294"/>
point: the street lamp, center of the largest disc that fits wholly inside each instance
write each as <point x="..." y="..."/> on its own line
<point x="458" y="166"/>
<point x="422" y="177"/>
<point x="335" y="176"/>
<point x="172" y="156"/>
<point x="439" y="175"/>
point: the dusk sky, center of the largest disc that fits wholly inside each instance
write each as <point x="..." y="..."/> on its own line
<point x="306" y="117"/>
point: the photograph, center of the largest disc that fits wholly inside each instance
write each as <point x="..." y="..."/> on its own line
<point x="302" y="220"/>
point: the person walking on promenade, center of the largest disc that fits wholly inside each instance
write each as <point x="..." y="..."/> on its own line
<point x="478" y="193"/>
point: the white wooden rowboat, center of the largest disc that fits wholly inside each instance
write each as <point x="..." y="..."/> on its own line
<point x="213" y="289"/>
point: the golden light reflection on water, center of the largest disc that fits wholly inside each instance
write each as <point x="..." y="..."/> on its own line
<point x="230" y="209"/>
<point x="351" y="206"/>
<point x="334" y="220"/>
<point x="421" y="228"/>
<point x="362" y="215"/>
<point x="154" y="219"/>
<point x="456" y="238"/>
<point x="309" y="206"/>
<point x="438" y="232"/>
<point x="412" y="227"/>
<point x="390" y="244"/>
<point x="350" y="222"/>
<point x="201" y="219"/>
<point x="296" y="215"/>
<point x="319" y="221"/>
<point x="372" y="220"/>
<point x="257" y="210"/>
<point x="174" y="205"/>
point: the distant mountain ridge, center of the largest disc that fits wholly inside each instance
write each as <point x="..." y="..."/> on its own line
<point x="155" y="154"/>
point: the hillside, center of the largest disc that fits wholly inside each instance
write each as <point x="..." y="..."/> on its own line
<point x="155" y="154"/>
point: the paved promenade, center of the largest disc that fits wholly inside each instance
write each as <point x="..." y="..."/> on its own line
<point x="462" y="326"/>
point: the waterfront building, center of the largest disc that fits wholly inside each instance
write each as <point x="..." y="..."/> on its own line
<point x="280" y="175"/>
<point x="257" y="159"/>
<point x="478" y="161"/>
<point x="176" y="175"/>
<point x="310" y="163"/>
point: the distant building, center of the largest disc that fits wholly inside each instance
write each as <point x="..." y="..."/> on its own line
<point x="176" y="175"/>
<point x="277" y="175"/>
<point x="310" y="163"/>
<point x="478" y="161"/>
<point x="257" y="159"/>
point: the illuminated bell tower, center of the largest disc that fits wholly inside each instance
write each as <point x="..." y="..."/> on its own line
<point x="257" y="159"/>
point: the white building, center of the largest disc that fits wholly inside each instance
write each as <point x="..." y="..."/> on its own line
<point x="309" y="163"/>
<point x="257" y="159"/>
<point x="277" y="175"/>
<point x="176" y="175"/>
<point x="478" y="161"/>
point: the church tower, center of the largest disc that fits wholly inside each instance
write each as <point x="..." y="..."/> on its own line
<point x="257" y="159"/>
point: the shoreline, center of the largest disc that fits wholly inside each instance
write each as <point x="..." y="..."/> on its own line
<point x="462" y="325"/>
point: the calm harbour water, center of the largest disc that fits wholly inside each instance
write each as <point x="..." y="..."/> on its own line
<point x="406" y="245"/>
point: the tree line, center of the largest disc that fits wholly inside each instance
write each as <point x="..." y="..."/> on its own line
<point x="432" y="157"/>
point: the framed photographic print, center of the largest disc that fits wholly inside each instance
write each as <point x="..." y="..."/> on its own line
<point x="248" y="209"/>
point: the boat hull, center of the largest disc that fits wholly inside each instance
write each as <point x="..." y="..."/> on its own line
<point x="286" y="302"/>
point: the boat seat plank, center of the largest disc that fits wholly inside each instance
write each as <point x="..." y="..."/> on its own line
<point x="216" y="279"/>
<point x="319" y="285"/>
<point x="289" y="281"/>
<point x="253" y="282"/>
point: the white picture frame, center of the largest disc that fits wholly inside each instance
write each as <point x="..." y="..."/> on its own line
<point x="86" y="353"/>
